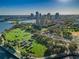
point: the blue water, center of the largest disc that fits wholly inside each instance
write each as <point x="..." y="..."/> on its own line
<point x="4" y="54"/>
<point x="5" y="25"/>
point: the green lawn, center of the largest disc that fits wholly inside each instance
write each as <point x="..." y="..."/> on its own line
<point x="38" y="49"/>
<point x="17" y="34"/>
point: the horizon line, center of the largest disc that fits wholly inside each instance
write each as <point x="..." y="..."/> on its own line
<point x="34" y="14"/>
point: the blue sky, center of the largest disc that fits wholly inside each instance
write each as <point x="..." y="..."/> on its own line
<point x="22" y="7"/>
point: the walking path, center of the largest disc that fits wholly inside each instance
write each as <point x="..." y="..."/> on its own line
<point x="59" y="56"/>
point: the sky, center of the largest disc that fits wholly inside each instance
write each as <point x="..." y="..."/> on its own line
<point x="25" y="7"/>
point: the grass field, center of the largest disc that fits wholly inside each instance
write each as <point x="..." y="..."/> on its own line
<point x="38" y="49"/>
<point x="17" y="34"/>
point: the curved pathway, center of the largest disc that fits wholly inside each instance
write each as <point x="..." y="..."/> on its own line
<point x="59" y="56"/>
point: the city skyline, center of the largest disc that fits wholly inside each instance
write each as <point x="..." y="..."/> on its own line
<point x="25" y="7"/>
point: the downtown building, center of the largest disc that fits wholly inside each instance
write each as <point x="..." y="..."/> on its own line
<point x="43" y="20"/>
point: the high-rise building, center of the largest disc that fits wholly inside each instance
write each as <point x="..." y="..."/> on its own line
<point x="45" y="20"/>
<point x="32" y="16"/>
<point x="38" y="18"/>
<point x="57" y="16"/>
<point x="49" y="16"/>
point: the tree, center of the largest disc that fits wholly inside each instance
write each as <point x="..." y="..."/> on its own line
<point x="67" y="35"/>
<point x="72" y="47"/>
<point x="0" y="40"/>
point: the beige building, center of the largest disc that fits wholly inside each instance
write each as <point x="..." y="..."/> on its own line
<point x="75" y="35"/>
<point x="45" y="21"/>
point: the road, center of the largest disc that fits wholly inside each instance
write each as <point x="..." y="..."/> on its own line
<point x="61" y="56"/>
